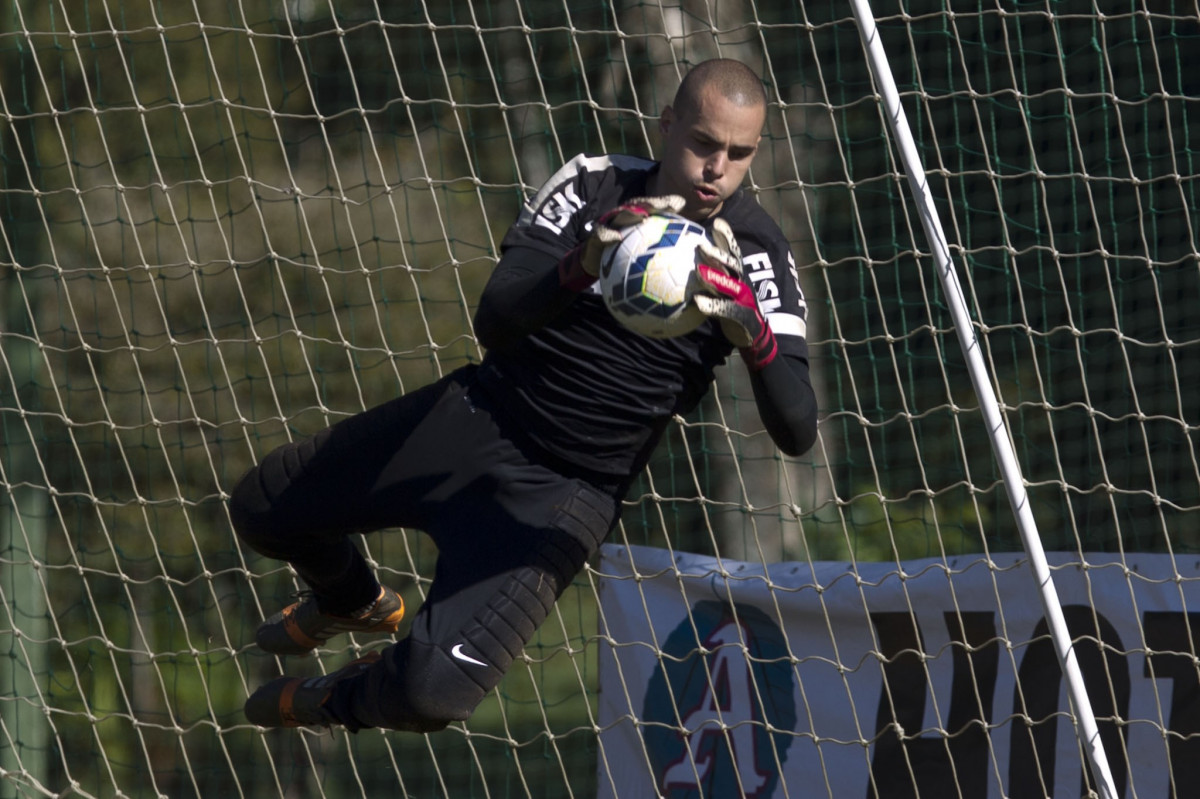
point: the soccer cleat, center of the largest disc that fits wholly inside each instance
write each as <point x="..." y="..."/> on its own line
<point x="301" y="627"/>
<point x="300" y="701"/>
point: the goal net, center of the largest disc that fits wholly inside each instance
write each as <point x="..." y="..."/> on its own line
<point x="225" y="225"/>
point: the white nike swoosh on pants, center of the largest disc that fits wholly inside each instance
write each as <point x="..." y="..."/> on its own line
<point x="463" y="656"/>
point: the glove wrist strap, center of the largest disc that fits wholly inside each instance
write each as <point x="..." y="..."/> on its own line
<point x="571" y="274"/>
<point x="762" y="351"/>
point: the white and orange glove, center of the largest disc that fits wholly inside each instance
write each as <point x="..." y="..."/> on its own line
<point x="719" y="290"/>
<point x="580" y="267"/>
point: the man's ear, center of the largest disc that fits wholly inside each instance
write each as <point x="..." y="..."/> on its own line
<point x="665" y="119"/>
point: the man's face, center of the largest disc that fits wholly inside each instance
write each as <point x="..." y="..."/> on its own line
<point x="706" y="153"/>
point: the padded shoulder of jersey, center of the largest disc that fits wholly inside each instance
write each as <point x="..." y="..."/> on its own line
<point x="571" y="172"/>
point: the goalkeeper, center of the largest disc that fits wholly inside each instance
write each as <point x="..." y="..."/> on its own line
<point x="516" y="467"/>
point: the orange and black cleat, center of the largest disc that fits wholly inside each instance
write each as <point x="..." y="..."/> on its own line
<point x="301" y="627"/>
<point x="300" y="701"/>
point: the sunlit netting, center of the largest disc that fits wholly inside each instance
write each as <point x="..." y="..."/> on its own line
<point x="224" y="225"/>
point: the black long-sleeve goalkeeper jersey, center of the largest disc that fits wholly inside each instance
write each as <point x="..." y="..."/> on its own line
<point x="582" y="386"/>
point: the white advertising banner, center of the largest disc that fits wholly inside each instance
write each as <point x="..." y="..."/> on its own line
<point x="931" y="679"/>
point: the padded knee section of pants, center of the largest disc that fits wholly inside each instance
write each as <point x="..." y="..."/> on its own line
<point x="430" y="685"/>
<point x="251" y="502"/>
<point x="256" y="507"/>
<point x="587" y="518"/>
<point x="419" y="689"/>
<point x="579" y="526"/>
<point x="247" y="505"/>
<point x="505" y="624"/>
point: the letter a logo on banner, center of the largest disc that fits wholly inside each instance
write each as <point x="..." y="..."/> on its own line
<point x="709" y="712"/>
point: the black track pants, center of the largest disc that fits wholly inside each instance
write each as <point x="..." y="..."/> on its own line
<point x="511" y="535"/>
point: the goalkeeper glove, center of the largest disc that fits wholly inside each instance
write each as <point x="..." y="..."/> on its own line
<point x="720" y="292"/>
<point x="580" y="267"/>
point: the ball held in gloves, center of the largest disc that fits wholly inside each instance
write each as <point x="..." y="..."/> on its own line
<point x="644" y="277"/>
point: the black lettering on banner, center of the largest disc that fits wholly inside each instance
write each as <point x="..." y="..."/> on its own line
<point x="1170" y="637"/>
<point x="1039" y="680"/>
<point x="953" y="764"/>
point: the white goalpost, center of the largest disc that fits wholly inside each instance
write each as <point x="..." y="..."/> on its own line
<point x="1014" y="480"/>
<point x="225" y="225"/>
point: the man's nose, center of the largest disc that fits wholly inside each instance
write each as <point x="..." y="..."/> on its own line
<point x="716" y="165"/>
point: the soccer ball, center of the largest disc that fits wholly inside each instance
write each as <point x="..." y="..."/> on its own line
<point x="644" y="276"/>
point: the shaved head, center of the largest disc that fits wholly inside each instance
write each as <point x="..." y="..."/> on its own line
<point x="710" y="134"/>
<point x="732" y="79"/>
